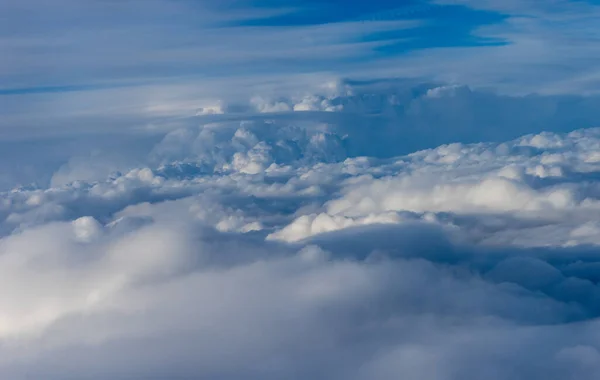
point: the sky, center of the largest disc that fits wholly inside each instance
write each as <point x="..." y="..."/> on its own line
<point x="69" y="45"/>
<point x="317" y="189"/>
<point x="81" y="65"/>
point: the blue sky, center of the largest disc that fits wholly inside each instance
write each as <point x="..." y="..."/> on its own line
<point x="68" y="44"/>
<point x="442" y="25"/>
<point x="101" y="57"/>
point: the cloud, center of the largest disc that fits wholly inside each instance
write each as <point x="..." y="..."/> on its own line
<point x="346" y="118"/>
<point x="191" y="38"/>
<point x="546" y="49"/>
<point x="192" y="189"/>
<point x="264" y="244"/>
<point x="197" y="189"/>
<point x="537" y="177"/>
<point x="296" y="314"/>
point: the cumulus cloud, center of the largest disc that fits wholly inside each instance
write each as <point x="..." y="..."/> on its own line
<point x="115" y="130"/>
<point x="306" y="236"/>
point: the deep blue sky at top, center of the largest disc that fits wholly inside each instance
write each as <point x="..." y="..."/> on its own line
<point x="444" y="25"/>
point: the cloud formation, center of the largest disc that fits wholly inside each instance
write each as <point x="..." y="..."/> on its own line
<point x="344" y="118"/>
<point x="196" y="189"/>
<point x="269" y="243"/>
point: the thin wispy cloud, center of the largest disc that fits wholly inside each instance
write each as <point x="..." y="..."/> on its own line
<point x="84" y="46"/>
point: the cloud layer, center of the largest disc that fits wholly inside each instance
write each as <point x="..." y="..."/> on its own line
<point x="195" y="189"/>
<point x="279" y="239"/>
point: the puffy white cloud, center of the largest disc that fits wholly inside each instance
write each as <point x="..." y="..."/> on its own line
<point x="507" y="179"/>
<point x="264" y="246"/>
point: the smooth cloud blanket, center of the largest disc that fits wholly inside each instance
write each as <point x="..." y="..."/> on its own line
<point x="268" y="243"/>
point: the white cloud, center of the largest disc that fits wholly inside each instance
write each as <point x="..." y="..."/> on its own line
<point x="264" y="245"/>
<point x="485" y="179"/>
<point x="300" y="314"/>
